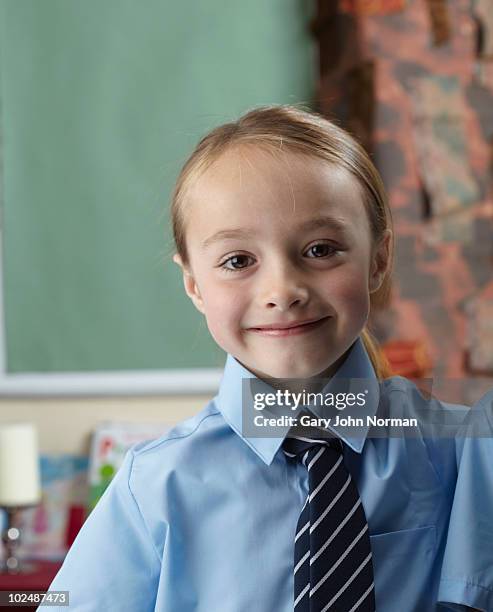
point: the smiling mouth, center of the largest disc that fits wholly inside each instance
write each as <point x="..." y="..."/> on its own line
<point x="293" y="330"/>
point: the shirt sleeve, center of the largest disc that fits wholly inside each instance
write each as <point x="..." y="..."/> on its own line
<point x="113" y="564"/>
<point x="467" y="570"/>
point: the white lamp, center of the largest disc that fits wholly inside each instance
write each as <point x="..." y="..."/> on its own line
<point x="19" y="482"/>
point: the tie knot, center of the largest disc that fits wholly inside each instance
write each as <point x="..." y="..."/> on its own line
<point x="300" y="448"/>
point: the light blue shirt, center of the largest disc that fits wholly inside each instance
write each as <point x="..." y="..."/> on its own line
<point x="203" y="519"/>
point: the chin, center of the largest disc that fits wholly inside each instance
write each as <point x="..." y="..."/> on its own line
<point x="298" y="371"/>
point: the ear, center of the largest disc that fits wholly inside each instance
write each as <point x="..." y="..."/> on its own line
<point x="191" y="287"/>
<point x="381" y="261"/>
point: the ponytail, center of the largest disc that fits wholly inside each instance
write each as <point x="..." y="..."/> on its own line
<point x="378" y="360"/>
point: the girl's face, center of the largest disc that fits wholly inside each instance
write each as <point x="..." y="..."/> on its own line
<point x="281" y="260"/>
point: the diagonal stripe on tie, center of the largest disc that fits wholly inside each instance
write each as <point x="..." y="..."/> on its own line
<point x="333" y="569"/>
<point x="302" y="554"/>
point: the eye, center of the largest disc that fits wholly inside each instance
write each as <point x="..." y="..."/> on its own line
<point x="321" y="249"/>
<point x="236" y="263"/>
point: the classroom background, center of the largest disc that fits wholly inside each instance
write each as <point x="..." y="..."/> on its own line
<point x="100" y="103"/>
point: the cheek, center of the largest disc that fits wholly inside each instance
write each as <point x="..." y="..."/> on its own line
<point x="348" y="292"/>
<point x="223" y="310"/>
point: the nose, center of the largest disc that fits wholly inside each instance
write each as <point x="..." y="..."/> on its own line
<point x="284" y="288"/>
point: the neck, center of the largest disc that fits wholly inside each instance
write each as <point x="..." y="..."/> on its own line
<point x="312" y="384"/>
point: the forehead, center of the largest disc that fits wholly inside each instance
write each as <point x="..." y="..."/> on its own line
<point x="271" y="190"/>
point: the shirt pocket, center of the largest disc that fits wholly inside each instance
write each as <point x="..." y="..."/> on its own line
<point x="403" y="563"/>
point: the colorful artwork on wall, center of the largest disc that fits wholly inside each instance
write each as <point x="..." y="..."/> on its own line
<point x="441" y="143"/>
<point x="439" y="21"/>
<point x="479" y="338"/>
<point x="483" y="12"/>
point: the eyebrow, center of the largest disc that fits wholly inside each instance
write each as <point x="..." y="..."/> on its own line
<point x="331" y="223"/>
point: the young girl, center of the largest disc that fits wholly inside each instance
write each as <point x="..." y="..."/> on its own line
<point x="283" y="235"/>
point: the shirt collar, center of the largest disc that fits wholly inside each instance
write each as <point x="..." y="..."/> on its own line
<point x="229" y="400"/>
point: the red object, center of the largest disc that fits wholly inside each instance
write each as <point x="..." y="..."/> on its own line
<point x="372" y="7"/>
<point x="76" y="517"/>
<point x="408" y="358"/>
<point x="38" y="580"/>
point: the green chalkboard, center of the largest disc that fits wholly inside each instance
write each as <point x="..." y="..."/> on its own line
<point x="101" y="101"/>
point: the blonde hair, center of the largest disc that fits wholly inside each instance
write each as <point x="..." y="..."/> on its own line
<point x="310" y="134"/>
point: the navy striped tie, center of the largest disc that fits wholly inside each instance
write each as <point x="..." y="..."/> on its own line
<point x="333" y="568"/>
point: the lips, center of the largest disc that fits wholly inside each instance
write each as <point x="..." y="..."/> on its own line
<point x="289" y="329"/>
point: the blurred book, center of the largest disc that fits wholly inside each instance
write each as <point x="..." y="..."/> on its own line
<point x="110" y="442"/>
